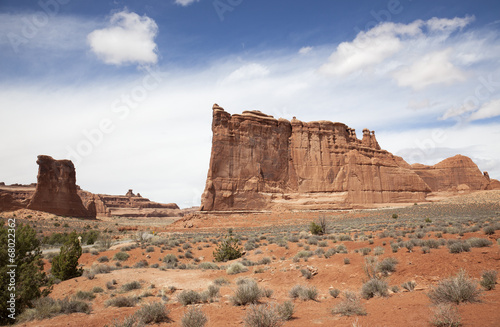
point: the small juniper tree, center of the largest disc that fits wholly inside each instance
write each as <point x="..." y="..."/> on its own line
<point x="65" y="264"/>
<point x="228" y="249"/>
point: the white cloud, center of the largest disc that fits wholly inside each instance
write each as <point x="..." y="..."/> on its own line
<point x="434" y="68"/>
<point x="305" y="50"/>
<point x="387" y="40"/>
<point x="449" y="25"/>
<point x="369" y="48"/>
<point x="248" y="72"/>
<point x="185" y="3"/>
<point x="487" y="110"/>
<point x="128" y="39"/>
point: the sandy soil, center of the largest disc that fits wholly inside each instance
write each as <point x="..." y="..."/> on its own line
<point x="282" y="273"/>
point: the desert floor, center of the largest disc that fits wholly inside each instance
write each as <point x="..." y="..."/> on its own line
<point x="277" y="247"/>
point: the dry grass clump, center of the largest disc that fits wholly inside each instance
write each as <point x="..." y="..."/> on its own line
<point x="350" y="306"/>
<point x="460" y="288"/>
<point x="263" y="315"/>
<point x="246" y="293"/>
<point x="194" y="317"/>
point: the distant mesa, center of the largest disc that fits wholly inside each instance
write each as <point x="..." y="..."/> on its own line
<point x="262" y="163"/>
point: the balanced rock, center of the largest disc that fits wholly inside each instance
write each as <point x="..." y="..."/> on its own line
<point x="259" y="162"/>
<point x="56" y="190"/>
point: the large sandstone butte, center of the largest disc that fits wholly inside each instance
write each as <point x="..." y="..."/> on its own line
<point x="455" y="173"/>
<point x="56" y="190"/>
<point x="262" y="163"/>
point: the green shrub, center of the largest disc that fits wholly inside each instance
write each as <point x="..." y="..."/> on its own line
<point x="263" y="315"/>
<point x="304" y="293"/>
<point x="194" y="317"/>
<point x="236" y="268"/>
<point x="489" y="230"/>
<point x="97" y="289"/>
<point x="306" y="273"/>
<point x="286" y="310"/>
<point x="170" y="258"/>
<point x="347" y="261"/>
<point x="221" y="281"/>
<point x="476" y="242"/>
<point x="349" y="306"/>
<point x="83" y="295"/>
<point x="246" y="293"/>
<point x="135" y="285"/>
<point x="121" y="256"/>
<point x="65" y="264"/>
<point x="153" y="313"/>
<point x="387" y="266"/>
<point x="394" y="216"/>
<point x="47" y="307"/>
<point x="460" y="288"/>
<point x="365" y="251"/>
<point x="374" y="287"/>
<point x="489" y="279"/>
<point x="29" y="276"/>
<point x="459" y="247"/>
<point x="315" y="229"/>
<point x="208" y="265"/>
<point x="227" y="250"/>
<point x="103" y="259"/>
<point x="188" y="297"/>
<point x="122" y="301"/>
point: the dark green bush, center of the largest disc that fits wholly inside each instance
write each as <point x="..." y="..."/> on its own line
<point x="65" y="264"/>
<point x="227" y="250"/>
<point x="489" y="279"/>
<point x="29" y="275"/>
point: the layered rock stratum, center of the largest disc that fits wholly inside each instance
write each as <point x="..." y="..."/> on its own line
<point x="262" y="163"/>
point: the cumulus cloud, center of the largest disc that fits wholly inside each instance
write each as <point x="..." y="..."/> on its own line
<point x="129" y="38"/>
<point x="369" y="48"/>
<point x="487" y="110"/>
<point x="185" y="3"/>
<point x="385" y="41"/>
<point x="247" y="72"/>
<point x="434" y="68"/>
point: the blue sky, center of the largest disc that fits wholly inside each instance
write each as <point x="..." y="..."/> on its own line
<point x="125" y="88"/>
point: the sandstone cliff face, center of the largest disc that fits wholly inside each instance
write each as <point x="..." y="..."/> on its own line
<point x="56" y="190"/>
<point x="453" y="173"/>
<point x="259" y="162"/>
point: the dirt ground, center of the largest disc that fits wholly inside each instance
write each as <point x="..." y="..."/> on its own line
<point x="457" y="218"/>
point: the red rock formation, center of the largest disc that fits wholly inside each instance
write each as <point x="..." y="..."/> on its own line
<point x="56" y="190"/>
<point x="259" y="162"/>
<point x="453" y="172"/>
<point x="128" y="206"/>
